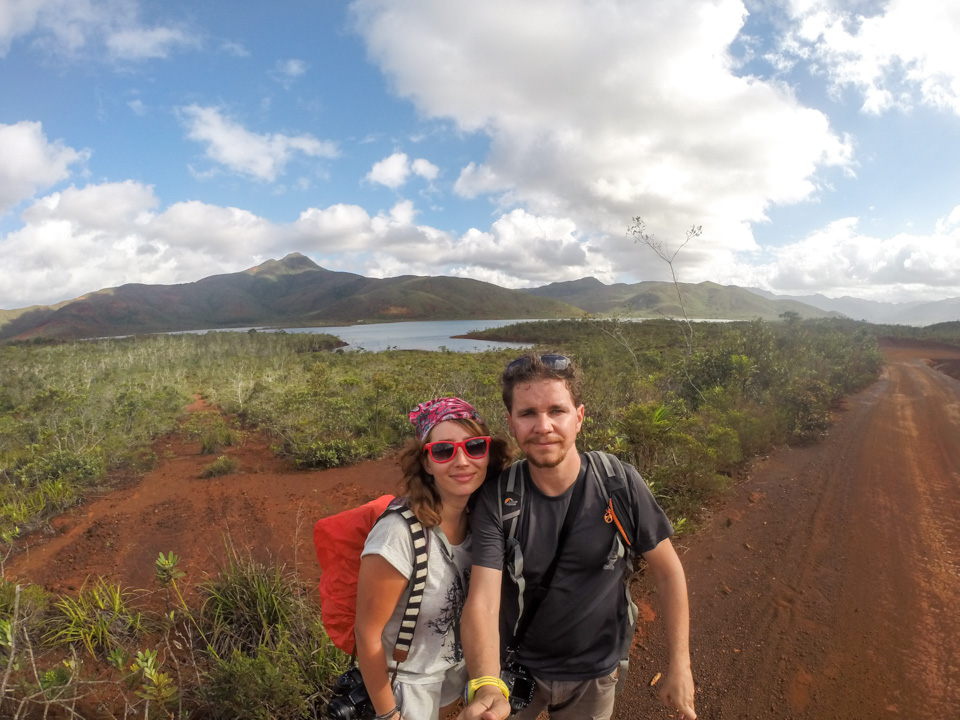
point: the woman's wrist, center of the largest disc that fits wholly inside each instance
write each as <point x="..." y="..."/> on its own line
<point x="392" y="714"/>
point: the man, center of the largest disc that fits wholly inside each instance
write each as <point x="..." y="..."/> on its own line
<point x="580" y="630"/>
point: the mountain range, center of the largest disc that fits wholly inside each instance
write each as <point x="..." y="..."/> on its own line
<point x="883" y="313"/>
<point x="295" y="291"/>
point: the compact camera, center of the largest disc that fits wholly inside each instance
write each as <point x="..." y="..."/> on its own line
<point x="350" y="699"/>
<point x="520" y="684"/>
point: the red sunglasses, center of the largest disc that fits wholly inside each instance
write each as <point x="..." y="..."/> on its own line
<point x="442" y="451"/>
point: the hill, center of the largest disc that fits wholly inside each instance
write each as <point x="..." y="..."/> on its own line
<point x="288" y="292"/>
<point x="295" y="291"/>
<point x="706" y="300"/>
<point x="874" y="311"/>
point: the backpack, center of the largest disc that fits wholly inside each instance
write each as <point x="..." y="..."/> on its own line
<point x="338" y="540"/>
<point x="613" y="481"/>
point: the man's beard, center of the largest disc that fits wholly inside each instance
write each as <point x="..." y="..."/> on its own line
<point x="551" y="462"/>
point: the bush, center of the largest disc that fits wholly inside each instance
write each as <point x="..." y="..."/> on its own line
<point x="212" y="430"/>
<point x="267" y="686"/>
<point x="248" y="606"/>
<point x="31" y="607"/>
<point x="272" y="657"/>
<point x="223" y="465"/>
<point x="331" y="453"/>
<point x="99" y="618"/>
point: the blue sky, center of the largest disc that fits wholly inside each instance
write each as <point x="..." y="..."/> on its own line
<point x="817" y="142"/>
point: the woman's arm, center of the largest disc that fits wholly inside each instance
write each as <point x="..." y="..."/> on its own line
<point x="379" y="588"/>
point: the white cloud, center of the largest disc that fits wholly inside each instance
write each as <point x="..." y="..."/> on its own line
<point x="287" y="71"/>
<point x="840" y="260"/>
<point x="262" y="156"/>
<point x="395" y="170"/>
<point x="112" y="207"/>
<point x="896" y="54"/>
<point x="67" y="27"/>
<point x="31" y="162"/>
<point x="425" y="169"/>
<point x="147" y="43"/>
<point x="603" y="111"/>
<point x="235" y="49"/>
<point x="85" y="239"/>
<point x="519" y="249"/>
<point x="392" y="171"/>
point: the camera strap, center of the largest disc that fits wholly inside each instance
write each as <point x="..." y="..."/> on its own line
<point x="540" y="592"/>
<point x="418" y="581"/>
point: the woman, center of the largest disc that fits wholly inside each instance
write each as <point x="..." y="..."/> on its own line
<point x="449" y="459"/>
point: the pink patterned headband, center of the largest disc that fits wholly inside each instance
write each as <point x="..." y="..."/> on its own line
<point x="428" y="414"/>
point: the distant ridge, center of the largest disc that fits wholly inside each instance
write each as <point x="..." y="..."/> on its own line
<point x="286" y="292"/>
<point x="296" y="291"/>
<point x="705" y="301"/>
<point x="886" y="313"/>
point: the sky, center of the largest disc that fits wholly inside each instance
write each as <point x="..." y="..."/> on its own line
<point x="815" y="143"/>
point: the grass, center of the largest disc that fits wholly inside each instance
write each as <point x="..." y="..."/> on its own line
<point x="223" y="465"/>
<point x="99" y="618"/>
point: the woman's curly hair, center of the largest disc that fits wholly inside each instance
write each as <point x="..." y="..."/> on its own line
<point x="419" y="487"/>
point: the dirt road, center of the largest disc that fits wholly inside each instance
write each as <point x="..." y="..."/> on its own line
<point x="829" y="586"/>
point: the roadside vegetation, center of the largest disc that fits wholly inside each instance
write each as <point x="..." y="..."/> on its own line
<point x="688" y="405"/>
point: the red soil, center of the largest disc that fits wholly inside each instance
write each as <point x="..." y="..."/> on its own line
<point x="825" y="586"/>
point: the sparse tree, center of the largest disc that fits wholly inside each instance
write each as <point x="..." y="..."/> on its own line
<point x="639" y="231"/>
<point x="640" y="235"/>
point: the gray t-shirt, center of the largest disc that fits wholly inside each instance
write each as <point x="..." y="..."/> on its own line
<point x="436" y="640"/>
<point x="581" y="627"/>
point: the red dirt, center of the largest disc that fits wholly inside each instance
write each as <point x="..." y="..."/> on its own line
<point x="267" y="508"/>
<point x="825" y="586"/>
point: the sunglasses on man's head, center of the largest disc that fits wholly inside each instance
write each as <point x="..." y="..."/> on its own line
<point x="553" y="362"/>
<point x="442" y="451"/>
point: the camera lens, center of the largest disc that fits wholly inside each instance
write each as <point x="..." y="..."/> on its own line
<point x="340" y="710"/>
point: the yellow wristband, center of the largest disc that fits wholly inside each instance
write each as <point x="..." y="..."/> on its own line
<point x="479" y="682"/>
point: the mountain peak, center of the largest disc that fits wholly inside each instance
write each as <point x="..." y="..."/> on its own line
<point x="288" y="265"/>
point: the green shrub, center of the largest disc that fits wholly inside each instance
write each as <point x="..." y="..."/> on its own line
<point x="212" y="431"/>
<point x="249" y="605"/>
<point x="70" y="466"/>
<point x="330" y="453"/>
<point x="223" y="465"/>
<point x="99" y="618"/>
<point x="32" y="605"/>
<point x="266" y="686"/>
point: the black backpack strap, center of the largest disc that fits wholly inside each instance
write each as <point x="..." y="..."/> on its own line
<point x="609" y="470"/>
<point x="510" y="487"/>
<point x="612" y="475"/>
<point x="418" y="579"/>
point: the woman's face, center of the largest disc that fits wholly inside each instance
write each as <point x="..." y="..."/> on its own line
<point x="459" y="477"/>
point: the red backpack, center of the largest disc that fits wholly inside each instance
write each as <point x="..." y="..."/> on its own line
<point x="339" y="541"/>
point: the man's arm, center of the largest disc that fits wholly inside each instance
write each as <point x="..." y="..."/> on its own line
<point x="480" y="634"/>
<point x="677" y="691"/>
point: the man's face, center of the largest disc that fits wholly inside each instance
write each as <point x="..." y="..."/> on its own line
<point x="544" y="421"/>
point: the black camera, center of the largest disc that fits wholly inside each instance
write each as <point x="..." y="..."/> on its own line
<point x="350" y="699"/>
<point x="520" y="684"/>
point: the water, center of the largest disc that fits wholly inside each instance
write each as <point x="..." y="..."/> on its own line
<point x="420" y="335"/>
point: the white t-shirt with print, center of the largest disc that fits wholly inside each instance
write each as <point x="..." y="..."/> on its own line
<point x="436" y="640"/>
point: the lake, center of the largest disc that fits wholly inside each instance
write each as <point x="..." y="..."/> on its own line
<point x="419" y="335"/>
